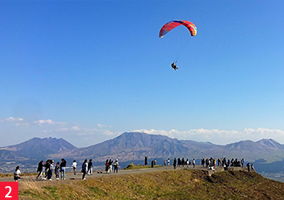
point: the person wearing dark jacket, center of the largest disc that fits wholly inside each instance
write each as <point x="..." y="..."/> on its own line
<point x="57" y="169"/>
<point x="40" y="169"/>
<point x="248" y="167"/>
<point x="84" y="169"/>
<point x="46" y="169"/>
<point x="175" y="163"/>
<point x="63" y="168"/>
<point x="107" y="166"/>
<point x="146" y="162"/>
<point x="90" y="167"/>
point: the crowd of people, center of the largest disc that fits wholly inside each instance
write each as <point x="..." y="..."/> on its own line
<point x="209" y="163"/>
<point x="182" y="162"/>
<point x="46" y="169"/>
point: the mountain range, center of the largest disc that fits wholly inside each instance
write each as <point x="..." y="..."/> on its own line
<point x="135" y="146"/>
<point x="35" y="148"/>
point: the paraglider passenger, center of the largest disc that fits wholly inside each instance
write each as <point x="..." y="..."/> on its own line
<point x="174" y="66"/>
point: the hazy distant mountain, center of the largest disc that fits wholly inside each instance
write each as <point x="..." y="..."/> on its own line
<point x="6" y="155"/>
<point x="36" y="148"/>
<point x="271" y="144"/>
<point x="267" y="149"/>
<point x="135" y="146"/>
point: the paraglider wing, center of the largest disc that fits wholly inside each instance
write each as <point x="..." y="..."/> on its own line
<point x="173" y="24"/>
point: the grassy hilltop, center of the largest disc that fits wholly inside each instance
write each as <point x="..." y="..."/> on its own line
<point x="173" y="184"/>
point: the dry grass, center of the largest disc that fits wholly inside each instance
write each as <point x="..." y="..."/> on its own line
<point x="12" y="174"/>
<point x="174" y="184"/>
<point x="132" y="166"/>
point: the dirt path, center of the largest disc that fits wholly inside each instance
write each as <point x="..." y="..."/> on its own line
<point x="71" y="177"/>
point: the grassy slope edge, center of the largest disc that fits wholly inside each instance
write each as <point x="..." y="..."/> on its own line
<point x="174" y="184"/>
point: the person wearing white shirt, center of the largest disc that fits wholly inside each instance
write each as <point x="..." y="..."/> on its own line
<point x="17" y="174"/>
<point x="74" y="165"/>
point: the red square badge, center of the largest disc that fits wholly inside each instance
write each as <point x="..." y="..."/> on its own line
<point x="9" y="190"/>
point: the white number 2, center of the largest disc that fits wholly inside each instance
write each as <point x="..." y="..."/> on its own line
<point x="10" y="190"/>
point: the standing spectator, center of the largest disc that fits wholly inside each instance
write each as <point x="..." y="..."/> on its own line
<point x="224" y="161"/>
<point x="50" y="170"/>
<point x="17" y="174"/>
<point x="226" y="168"/>
<point x="90" y="167"/>
<point x="106" y="164"/>
<point x="248" y="167"/>
<point x="84" y="169"/>
<point x="146" y="163"/>
<point x="179" y="162"/>
<point x="46" y="169"/>
<point x="251" y="166"/>
<point x="175" y="163"/>
<point x="74" y="165"/>
<point x="63" y="168"/>
<point x="242" y="162"/>
<point x="57" y="169"/>
<point x="40" y="169"/>
<point x="193" y="163"/>
<point x="169" y="161"/>
<point x="115" y="166"/>
<point x="152" y="163"/>
<point x="110" y="166"/>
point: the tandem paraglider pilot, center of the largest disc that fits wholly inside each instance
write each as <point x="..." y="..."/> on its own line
<point x="174" y="66"/>
<point x="173" y="24"/>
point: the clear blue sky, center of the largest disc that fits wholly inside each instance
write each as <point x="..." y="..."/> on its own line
<point x="89" y="70"/>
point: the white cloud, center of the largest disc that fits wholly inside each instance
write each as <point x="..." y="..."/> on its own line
<point x="12" y="119"/>
<point x="72" y="132"/>
<point x="103" y="126"/>
<point x="48" y="122"/>
<point x="85" y="131"/>
<point x="21" y="121"/>
<point x="264" y="132"/>
<point x="22" y="124"/>
<point x="100" y="132"/>
<point x="75" y="128"/>
<point x="15" y="121"/>
<point x="108" y="132"/>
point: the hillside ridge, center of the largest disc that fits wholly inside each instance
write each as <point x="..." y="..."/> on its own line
<point x="136" y="145"/>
